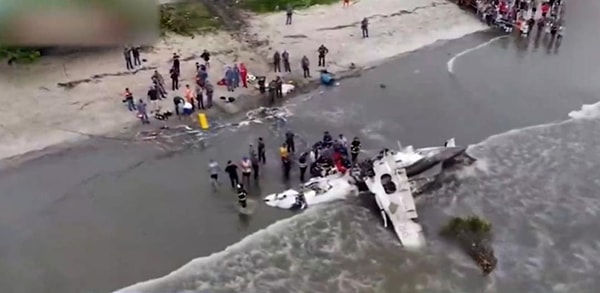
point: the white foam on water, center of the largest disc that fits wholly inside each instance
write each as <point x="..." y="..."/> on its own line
<point x="587" y="112"/>
<point x="450" y="64"/>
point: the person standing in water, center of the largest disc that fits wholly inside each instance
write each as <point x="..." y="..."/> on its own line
<point x="214" y="169"/>
<point x="242" y="195"/>
<point x="246" y="165"/>
<point x="303" y="164"/>
<point x="355" y="149"/>
<point x="289" y="141"/>
<point x="261" y="151"/>
<point x="255" y="162"/>
<point x="232" y="171"/>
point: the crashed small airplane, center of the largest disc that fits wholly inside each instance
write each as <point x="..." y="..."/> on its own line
<point x="422" y="167"/>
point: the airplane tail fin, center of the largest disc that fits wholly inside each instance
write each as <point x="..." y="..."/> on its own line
<point x="450" y="143"/>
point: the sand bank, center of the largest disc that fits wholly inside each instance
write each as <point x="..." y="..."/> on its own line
<point x="37" y="113"/>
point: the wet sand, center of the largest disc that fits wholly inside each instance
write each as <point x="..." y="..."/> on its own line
<point x="108" y="214"/>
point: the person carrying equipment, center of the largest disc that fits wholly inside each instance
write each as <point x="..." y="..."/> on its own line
<point x="355" y="149"/>
<point x="242" y="196"/>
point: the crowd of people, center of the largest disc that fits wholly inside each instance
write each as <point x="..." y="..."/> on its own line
<point x="522" y="15"/>
<point x="198" y="96"/>
<point x="325" y="157"/>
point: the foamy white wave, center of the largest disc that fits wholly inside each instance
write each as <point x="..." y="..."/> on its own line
<point x="590" y="111"/>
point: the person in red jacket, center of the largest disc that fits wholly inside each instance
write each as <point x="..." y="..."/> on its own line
<point x="244" y="75"/>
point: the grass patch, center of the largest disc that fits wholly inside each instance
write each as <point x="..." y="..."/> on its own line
<point x="263" y="6"/>
<point x="19" y="55"/>
<point x="186" y="18"/>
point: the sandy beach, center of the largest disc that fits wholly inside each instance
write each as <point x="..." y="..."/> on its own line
<point x="45" y="114"/>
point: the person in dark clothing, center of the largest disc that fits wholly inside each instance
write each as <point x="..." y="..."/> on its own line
<point x="530" y="24"/>
<point x="200" y="98"/>
<point x="153" y="97"/>
<point x="277" y="61"/>
<point x="206" y="57"/>
<point x="279" y="87"/>
<point x="255" y="163"/>
<point x="242" y="195"/>
<point x="174" y="78"/>
<point x="364" y="26"/>
<point x="178" y="101"/>
<point x="289" y="141"/>
<point x="286" y="61"/>
<point x="261" y="151"/>
<point x="287" y="166"/>
<point x="305" y="63"/>
<point x="322" y="52"/>
<point x="209" y="93"/>
<point x="176" y="63"/>
<point x="127" y="56"/>
<point x="288" y="15"/>
<point x="272" y="91"/>
<point x="303" y="164"/>
<point x="316" y="148"/>
<point x="136" y="56"/>
<point x="232" y="171"/>
<point x="327" y="139"/>
<point x="355" y="149"/>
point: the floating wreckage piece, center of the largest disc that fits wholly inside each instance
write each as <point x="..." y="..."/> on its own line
<point x="473" y="235"/>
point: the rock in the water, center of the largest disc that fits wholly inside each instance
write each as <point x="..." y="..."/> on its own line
<point x="473" y="235"/>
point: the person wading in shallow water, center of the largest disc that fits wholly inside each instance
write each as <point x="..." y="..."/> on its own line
<point x="246" y="170"/>
<point x="255" y="162"/>
<point x="213" y="169"/>
<point x="355" y="149"/>
<point x="303" y="164"/>
<point x="242" y="195"/>
<point x="261" y="151"/>
<point x="289" y="141"/>
<point x="232" y="171"/>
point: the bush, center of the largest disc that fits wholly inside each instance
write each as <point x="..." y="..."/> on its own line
<point x="19" y="55"/>
<point x="186" y="18"/>
<point x="473" y="235"/>
<point x="274" y="5"/>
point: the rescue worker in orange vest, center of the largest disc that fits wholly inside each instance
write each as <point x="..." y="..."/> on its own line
<point x="285" y="161"/>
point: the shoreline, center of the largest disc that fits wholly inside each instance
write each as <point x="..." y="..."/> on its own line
<point x="112" y="119"/>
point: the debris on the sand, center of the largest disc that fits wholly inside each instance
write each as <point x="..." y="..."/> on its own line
<point x="473" y="235"/>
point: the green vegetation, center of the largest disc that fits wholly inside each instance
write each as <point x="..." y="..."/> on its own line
<point x="473" y="235"/>
<point x="186" y="18"/>
<point x="262" y="6"/>
<point x="19" y="55"/>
